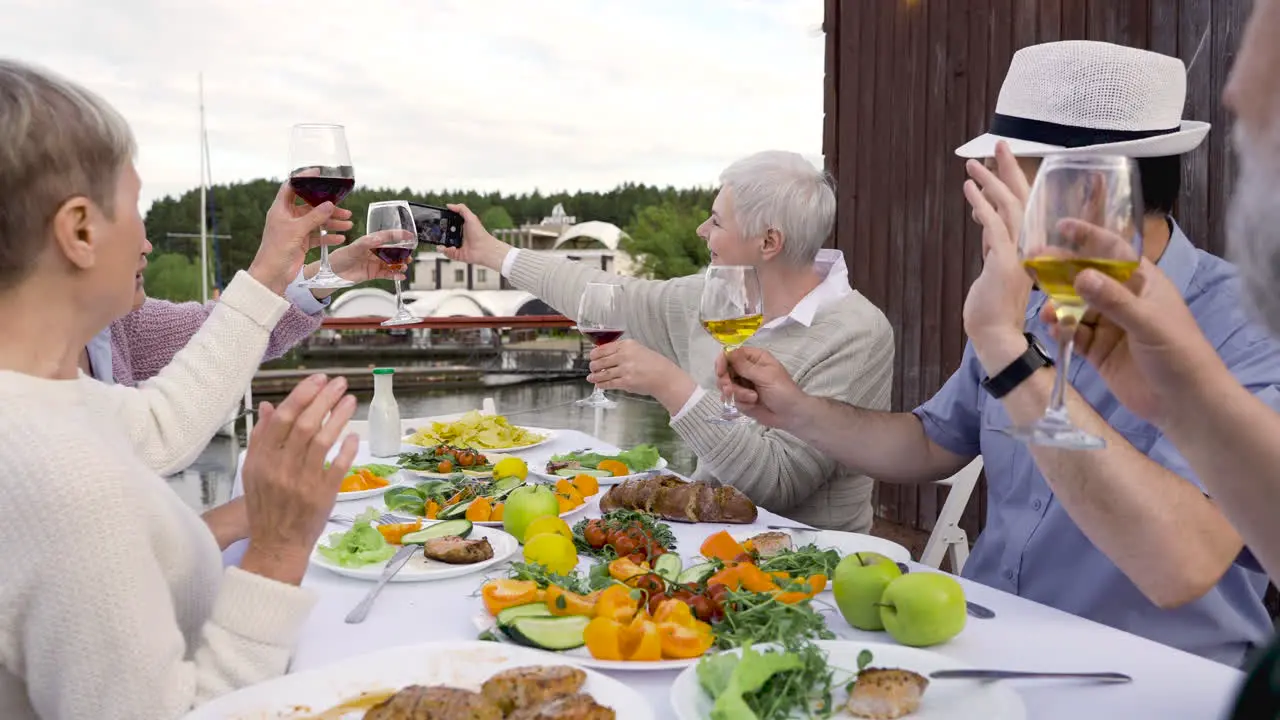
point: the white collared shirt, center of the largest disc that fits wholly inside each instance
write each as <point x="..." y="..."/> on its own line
<point x="835" y="285"/>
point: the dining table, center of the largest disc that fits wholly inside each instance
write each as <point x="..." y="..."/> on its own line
<point x="1023" y="635"/>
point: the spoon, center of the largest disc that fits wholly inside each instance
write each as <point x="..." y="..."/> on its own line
<point x="1114" y="677"/>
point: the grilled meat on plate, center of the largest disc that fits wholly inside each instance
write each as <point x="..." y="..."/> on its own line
<point x="555" y="466"/>
<point x="771" y="543"/>
<point x="457" y="551"/>
<point x="418" y="702"/>
<point x="671" y="498"/>
<point x="885" y="694"/>
<point x="574" y="707"/>
<point x="533" y="686"/>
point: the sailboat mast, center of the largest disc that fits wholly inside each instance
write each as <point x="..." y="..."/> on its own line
<point x="204" y="224"/>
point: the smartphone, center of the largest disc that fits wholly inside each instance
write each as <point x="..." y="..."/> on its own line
<point x="437" y="225"/>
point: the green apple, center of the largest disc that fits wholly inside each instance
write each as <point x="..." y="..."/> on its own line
<point x="923" y="608"/>
<point x="858" y="584"/>
<point x="526" y="504"/>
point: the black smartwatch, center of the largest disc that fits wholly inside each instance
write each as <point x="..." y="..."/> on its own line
<point x="1019" y="370"/>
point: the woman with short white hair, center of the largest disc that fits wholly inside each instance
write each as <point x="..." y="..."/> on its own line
<point x="774" y="212"/>
<point x="122" y="609"/>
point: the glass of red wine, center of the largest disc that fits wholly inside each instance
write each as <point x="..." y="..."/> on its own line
<point x="394" y="218"/>
<point x="321" y="172"/>
<point x="600" y="319"/>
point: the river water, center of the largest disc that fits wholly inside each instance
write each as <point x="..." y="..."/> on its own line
<point x="541" y="404"/>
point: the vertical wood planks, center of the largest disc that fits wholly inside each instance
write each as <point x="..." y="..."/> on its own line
<point x="913" y="81"/>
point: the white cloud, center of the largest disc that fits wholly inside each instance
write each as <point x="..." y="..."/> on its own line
<point x="504" y="95"/>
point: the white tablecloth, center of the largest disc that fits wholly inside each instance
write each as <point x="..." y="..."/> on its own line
<point x="1168" y="683"/>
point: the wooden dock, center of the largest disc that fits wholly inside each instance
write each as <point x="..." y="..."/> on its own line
<point x="281" y="381"/>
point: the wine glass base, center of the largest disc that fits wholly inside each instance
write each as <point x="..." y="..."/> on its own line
<point x="594" y="402"/>
<point x="1048" y="433"/>
<point x="326" y="280"/>
<point x="400" y="320"/>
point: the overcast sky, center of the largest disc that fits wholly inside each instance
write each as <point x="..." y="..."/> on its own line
<point x="506" y="95"/>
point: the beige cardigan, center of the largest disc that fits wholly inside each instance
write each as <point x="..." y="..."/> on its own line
<point x="846" y="353"/>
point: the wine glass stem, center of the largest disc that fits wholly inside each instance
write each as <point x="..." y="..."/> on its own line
<point x="399" y="299"/>
<point x="730" y="404"/>
<point x="1066" y="347"/>
<point x="324" y="253"/>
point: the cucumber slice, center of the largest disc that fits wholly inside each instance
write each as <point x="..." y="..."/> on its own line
<point x="570" y="472"/>
<point x="695" y="573"/>
<point x="511" y="614"/>
<point x="455" y="511"/>
<point x="460" y="528"/>
<point x="549" y="633"/>
<point x="669" y="566"/>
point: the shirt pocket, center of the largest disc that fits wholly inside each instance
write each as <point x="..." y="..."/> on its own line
<point x="1003" y="457"/>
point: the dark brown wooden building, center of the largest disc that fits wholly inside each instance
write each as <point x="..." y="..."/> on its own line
<point x="907" y="82"/>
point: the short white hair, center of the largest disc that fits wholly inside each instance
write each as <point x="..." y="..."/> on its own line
<point x="780" y="190"/>
<point x="57" y="141"/>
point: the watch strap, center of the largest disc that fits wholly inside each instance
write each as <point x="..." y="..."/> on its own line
<point x="1031" y="360"/>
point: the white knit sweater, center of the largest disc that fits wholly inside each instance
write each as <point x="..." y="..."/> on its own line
<point x="113" y="599"/>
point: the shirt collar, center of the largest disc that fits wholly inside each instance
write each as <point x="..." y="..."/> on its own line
<point x="835" y="284"/>
<point x="100" y="356"/>
<point x="1178" y="262"/>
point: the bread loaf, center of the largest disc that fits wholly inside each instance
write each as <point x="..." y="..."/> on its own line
<point x="670" y="498"/>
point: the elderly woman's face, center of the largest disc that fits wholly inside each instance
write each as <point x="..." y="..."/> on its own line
<point x="723" y="236"/>
<point x="124" y="246"/>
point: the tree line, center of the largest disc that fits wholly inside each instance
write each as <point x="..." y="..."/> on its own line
<point x="661" y="225"/>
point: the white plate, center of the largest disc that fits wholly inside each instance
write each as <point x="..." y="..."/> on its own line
<point x="547" y="436"/>
<point x="582" y="656"/>
<point x="361" y="494"/>
<point x="419" y="568"/>
<point x="460" y="664"/>
<point x="846" y="543"/>
<point x="943" y="699"/>
<point x="603" y="481"/>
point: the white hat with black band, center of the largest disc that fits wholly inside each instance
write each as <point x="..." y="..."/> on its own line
<point x="1086" y="97"/>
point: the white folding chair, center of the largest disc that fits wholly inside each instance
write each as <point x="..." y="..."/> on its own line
<point x="948" y="537"/>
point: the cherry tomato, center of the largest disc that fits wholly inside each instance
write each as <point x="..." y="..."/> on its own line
<point x="649" y="582"/>
<point x="656" y="599"/>
<point x="625" y="546"/>
<point x="702" y="608"/>
<point x="595" y="535"/>
<point x="636" y="558"/>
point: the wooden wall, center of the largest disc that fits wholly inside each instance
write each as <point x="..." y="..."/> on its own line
<point x="907" y="82"/>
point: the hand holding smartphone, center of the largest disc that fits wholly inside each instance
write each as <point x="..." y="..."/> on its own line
<point x="437" y="225"/>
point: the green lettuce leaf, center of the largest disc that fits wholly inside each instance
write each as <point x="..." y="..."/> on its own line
<point x="381" y="471"/>
<point x="637" y="459"/>
<point x="361" y="545"/>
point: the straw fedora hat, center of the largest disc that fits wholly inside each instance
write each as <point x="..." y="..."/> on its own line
<point x="1085" y="97"/>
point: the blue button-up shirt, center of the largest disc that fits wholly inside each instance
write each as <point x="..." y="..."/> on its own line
<point x="1030" y="545"/>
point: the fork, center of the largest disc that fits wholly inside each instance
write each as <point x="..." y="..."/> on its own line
<point x="384" y="519"/>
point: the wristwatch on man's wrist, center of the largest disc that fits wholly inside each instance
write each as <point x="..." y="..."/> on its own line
<point x="1019" y="370"/>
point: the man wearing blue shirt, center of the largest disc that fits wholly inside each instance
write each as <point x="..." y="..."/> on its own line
<point x="1122" y="535"/>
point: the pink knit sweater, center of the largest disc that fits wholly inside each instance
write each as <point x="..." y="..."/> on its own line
<point x="145" y="340"/>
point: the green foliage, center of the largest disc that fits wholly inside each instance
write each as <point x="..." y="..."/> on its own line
<point x="239" y="210"/>
<point x="663" y="240"/>
<point x="170" y="276"/>
<point x="497" y="218"/>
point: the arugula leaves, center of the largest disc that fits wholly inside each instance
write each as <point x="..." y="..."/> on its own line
<point x="760" y="618"/>
<point x="803" y="562"/>
<point x="773" y="685"/>
<point x="573" y="582"/>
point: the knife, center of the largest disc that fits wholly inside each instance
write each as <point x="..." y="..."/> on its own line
<point x="1014" y="675"/>
<point x="392" y="567"/>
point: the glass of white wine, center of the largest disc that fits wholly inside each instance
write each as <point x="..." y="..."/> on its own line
<point x="1076" y="202"/>
<point x="732" y="310"/>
